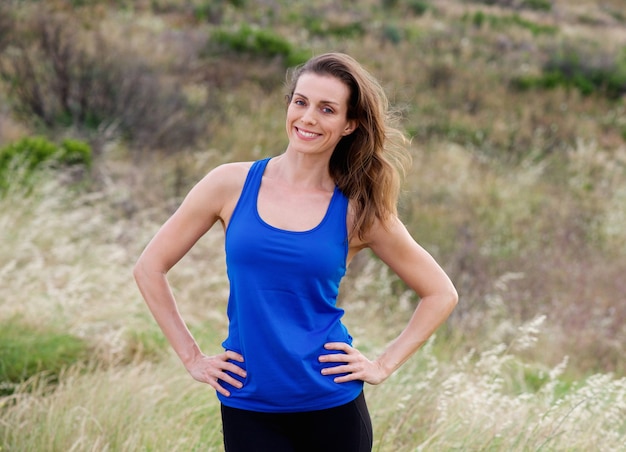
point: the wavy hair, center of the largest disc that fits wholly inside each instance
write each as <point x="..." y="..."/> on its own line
<point x="368" y="164"/>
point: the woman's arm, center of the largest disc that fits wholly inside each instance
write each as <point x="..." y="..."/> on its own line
<point x="438" y="297"/>
<point x="212" y="199"/>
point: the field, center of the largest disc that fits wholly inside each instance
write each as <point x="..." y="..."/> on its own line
<point x="517" y="115"/>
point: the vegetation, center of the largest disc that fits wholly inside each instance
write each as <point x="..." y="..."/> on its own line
<point x="518" y="124"/>
<point x="21" y="160"/>
<point x="33" y="353"/>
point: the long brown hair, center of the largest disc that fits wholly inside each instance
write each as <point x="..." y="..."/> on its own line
<point x="366" y="165"/>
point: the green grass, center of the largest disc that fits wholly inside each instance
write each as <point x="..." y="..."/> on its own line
<point x="26" y="352"/>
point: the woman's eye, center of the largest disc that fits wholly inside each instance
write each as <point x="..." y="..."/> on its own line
<point x="298" y="102"/>
<point x="327" y="110"/>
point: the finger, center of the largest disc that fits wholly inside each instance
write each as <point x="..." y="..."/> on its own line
<point x="335" y="358"/>
<point x="219" y="388"/>
<point x="233" y="355"/>
<point x="215" y="377"/>
<point x="341" y="346"/>
<point x="231" y="381"/>
<point x="234" y="368"/>
<point x="345" y="378"/>
<point x="336" y="370"/>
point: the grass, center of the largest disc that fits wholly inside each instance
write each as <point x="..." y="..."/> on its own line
<point x="496" y="393"/>
<point x="27" y="352"/>
<point x="139" y="407"/>
<point x="520" y="196"/>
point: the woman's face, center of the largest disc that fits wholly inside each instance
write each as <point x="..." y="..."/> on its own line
<point x="317" y="114"/>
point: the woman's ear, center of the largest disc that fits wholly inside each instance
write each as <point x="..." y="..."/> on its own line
<point x="350" y="127"/>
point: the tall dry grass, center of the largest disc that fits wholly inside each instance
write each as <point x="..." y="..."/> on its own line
<point x="66" y="263"/>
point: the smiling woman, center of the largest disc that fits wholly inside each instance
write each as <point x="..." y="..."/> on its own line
<point x="289" y="375"/>
<point x="317" y="114"/>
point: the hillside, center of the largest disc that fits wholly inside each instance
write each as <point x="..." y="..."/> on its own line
<point x="516" y="110"/>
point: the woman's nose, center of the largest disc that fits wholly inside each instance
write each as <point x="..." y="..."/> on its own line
<point x="309" y="117"/>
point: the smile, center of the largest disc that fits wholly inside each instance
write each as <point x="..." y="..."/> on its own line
<point x="306" y="134"/>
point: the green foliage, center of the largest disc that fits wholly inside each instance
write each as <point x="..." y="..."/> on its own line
<point x="539" y="5"/>
<point x="147" y="345"/>
<point x="252" y="40"/>
<point x="392" y="33"/>
<point x="36" y="152"/>
<point x="31" y="154"/>
<point x="257" y="42"/>
<point x="480" y="18"/>
<point x="418" y="7"/>
<point x="26" y="351"/>
<point x="415" y="7"/>
<point x="389" y="4"/>
<point x="75" y="152"/>
<point x="321" y="26"/>
<point x="573" y="70"/>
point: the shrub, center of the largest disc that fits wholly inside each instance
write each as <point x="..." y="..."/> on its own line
<point x="479" y="18"/>
<point x="418" y="7"/>
<point x="539" y="5"/>
<point x="28" y="351"/>
<point x="392" y="34"/>
<point x="33" y="153"/>
<point x="63" y="75"/>
<point x="389" y="4"/>
<point x="37" y="151"/>
<point x="572" y="69"/>
<point x="319" y="24"/>
<point x="256" y="42"/>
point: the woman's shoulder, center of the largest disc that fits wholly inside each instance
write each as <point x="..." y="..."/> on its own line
<point x="227" y="175"/>
<point x="231" y="170"/>
<point x="217" y="192"/>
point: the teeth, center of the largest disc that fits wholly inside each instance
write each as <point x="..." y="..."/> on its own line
<point x="307" y="134"/>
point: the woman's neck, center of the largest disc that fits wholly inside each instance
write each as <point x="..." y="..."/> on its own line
<point x="301" y="171"/>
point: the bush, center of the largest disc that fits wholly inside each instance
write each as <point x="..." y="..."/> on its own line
<point x="322" y="26"/>
<point x="63" y="75"/>
<point x="479" y="18"/>
<point x="539" y="5"/>
<point x="418" y="7"/>
<point x="37" y="151"/>
<point x="257" y="42"/>
<point x="571" y="69"/>
<point x="31" y="154"/>
<point x="27" y="351"/>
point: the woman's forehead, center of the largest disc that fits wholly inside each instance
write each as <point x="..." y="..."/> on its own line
<point x="322" y="87"/>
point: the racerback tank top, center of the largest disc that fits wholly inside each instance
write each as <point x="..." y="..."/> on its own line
<point x="282" y="306"/>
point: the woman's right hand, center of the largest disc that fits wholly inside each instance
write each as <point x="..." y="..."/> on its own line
<point x="211" y="369"/>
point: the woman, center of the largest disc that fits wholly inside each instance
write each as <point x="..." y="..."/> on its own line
<point x="288" y="378"/>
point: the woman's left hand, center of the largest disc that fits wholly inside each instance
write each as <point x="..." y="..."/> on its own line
<point x="356" y="366"/>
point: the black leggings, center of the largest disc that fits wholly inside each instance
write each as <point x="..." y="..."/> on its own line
<point x="346" y="428"/>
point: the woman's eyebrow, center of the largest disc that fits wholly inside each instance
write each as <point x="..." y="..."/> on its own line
<point x="321" y="102"/>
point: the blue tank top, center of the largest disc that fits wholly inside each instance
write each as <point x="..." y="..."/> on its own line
<point x="282" y="306"/>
